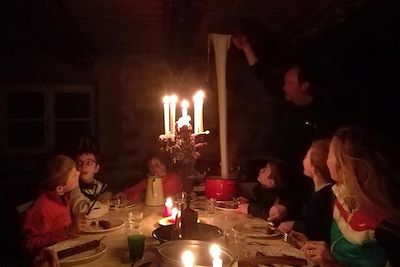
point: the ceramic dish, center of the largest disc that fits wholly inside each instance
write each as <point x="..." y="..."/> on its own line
<point x="80" y="258"/>
<point x="205" y="232"/>
<point x="227" y="205"/>
<point x="94" y="226"/>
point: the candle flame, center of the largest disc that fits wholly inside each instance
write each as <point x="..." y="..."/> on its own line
<point x="168" y="201"/>
<point x="173" y="99"/>
<point x="187" y="258"/>
<point x="166" y="99"/>
<point x="215" y="251"/>
<point x="185" y="104"/>
<point x="174" y="212"/>
<point x="199" y="96"/>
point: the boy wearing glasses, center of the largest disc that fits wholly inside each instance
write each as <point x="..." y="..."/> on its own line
<point x="90" y="189"/>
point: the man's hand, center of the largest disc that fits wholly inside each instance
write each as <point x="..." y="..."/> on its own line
<point x="277" y="213"/>
<point x="286" y="227"/>
<point x="243" y="208"/>
<point x="319" y="253"/>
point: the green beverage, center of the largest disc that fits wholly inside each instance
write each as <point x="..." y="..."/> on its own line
<point x="136" y="246"/>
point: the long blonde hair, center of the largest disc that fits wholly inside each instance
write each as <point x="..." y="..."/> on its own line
<point x="367" y="171"/>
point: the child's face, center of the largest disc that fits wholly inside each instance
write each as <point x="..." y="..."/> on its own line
<point x="265" y="177"/>
<point x="72" y="181"/>
<point x="157" y="167"/>
<point x="87" y="166"/>
<point x="308" y="167"/>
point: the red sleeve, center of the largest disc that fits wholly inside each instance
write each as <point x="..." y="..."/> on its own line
<point x="39" y="232"/>
<point x="135" y="192"/>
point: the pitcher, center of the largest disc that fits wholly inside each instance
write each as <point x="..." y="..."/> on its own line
<point x="154" y="192"/>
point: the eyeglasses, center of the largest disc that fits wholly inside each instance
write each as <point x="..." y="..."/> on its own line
<point x="87" y="162"/>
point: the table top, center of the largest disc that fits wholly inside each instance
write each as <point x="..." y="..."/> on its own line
<point x="117" y="247"/>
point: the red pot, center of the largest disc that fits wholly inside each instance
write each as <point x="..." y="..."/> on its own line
<point x="220" y="188"/>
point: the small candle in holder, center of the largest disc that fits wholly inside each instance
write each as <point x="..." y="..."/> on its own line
<point x="187" y="258"/>
<point x="215" y="251"/>
<point x="168" y="207"/>
<point x="173" y="215"/>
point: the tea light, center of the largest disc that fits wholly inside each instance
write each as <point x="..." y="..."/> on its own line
<point x="187" y="258"/>
<point x="168" y="207"/>
<point x="215" y="251"/>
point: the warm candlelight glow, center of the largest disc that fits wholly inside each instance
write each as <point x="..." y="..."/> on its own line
<point x="185" y="106"/>
<point x="198" y="112"/>
<point x="168" y="207"/>
<point x="166" y="101"/>
<point x="215" y="251"/>
<point x="173" y="100"/>
<point x="187" y="258"/>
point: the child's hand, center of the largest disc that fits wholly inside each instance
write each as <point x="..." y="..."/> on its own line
<point x="277" y="212"/>
<point x="243" y="208"/>
<point x="105" y="198"/>
<point x="46" y="258"/>
<point x="242" y="200"/>
<point x="286" y="227"/>
<point x="78" y="222"/>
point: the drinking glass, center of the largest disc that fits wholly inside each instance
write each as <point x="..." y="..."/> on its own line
<point x="134" y="219"/>
<point x="136" y="246"/>
<point x="236" y="242"/>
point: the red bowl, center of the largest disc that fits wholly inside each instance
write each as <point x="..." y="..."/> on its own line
<point x="220" y="188"/>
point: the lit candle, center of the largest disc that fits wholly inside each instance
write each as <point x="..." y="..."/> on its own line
<point x="215" y="251"/>
<point x="187" y="258"/>
<point x="166" y="101"/>
<point x="173" y="100"/>
<point x="198" y="112"/>
<point x="174" y="212"/>
<point x="185" y="105"/>
<point x="168" y="207"/>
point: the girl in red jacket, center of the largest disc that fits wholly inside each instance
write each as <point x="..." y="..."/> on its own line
<point x="49" y="220"/>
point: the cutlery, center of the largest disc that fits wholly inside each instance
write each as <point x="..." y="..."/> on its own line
<point x="257" y="243"/>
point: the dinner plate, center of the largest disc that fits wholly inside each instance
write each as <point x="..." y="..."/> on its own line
<point x="255" y="229"/>
<point x="123" y="206"/>
<point x="168" y="221"/>
<point x="205" y="232"/>
<point x="80" y="258"/>
<point x="227" y="205"/>
<point x="93" y="226"/>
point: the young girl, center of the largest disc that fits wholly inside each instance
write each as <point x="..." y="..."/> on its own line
<point x="365" y="227"/>
<point x="172" y="183"/>
<point x="270" y="193"/>
<point x="316" y="218"/>
<point x="90" y="189"/>
<point x="49" y="221"/>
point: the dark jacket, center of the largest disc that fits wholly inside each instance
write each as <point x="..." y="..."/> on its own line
<point x="316" y="218"/>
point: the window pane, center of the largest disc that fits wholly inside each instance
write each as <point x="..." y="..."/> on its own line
<point x="26" y="134"/>
<point x="68" y="134"/>
<point x="72" y="105"/>
<point x="25" y="105"/>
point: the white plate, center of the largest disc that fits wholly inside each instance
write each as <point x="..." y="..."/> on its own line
<point x="80" y="258"/>
<point x="167" y="221"/>
<point x="95" y="228"/>
<point x="126" y="206"/>
<point x="227" y="203"/>
<point x="257" y="230"/>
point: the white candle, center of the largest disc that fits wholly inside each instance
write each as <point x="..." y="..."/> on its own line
<point x="215" y="251"/>
<point x="221" y="45"/>
<point x="173" y="99"/>
<point x="187" y="258"/>
<point x="198" y="112"/>
<point x="168" y="207"/>
<point x="185" y="106"/>
<point x="166" y="114"/>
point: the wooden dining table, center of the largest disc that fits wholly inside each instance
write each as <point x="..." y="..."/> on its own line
<point x="117" y="246"/>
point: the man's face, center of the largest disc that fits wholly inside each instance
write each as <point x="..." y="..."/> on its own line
<point x="86" y="164"/>
<point x="294" y="90"/>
